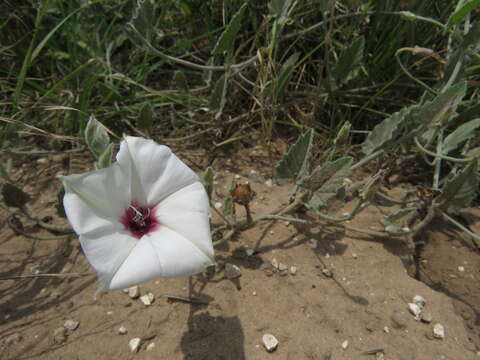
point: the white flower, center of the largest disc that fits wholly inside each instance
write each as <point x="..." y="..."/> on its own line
<point x="145" y="216"/>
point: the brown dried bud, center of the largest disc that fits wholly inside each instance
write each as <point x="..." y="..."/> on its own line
<point x="242" y="193"/>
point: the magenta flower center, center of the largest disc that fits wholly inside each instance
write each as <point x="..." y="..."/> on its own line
<point x="139" y="220"/>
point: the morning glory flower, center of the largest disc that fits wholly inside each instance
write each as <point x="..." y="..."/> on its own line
<point x="143" y="217"/>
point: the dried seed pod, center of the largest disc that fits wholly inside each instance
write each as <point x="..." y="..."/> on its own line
<point x="242" y="193"/>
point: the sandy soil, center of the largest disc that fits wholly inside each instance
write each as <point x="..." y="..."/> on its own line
<point x="311" y="315"/>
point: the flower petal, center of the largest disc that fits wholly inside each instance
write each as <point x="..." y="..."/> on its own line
<point x="156" y="171"/>
<point x="106" y="252"/>
<point x="94" y="201"/>
<point x="187" y="213"/>
<point x="163" y="253"/>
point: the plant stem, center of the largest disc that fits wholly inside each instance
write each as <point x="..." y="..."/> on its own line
<point x="475" y="237"/>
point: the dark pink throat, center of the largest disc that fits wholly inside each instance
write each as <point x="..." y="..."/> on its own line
<point x="139" y="219"/>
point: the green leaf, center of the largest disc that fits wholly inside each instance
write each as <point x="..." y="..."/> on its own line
<point x="461" y="134"/>
<point x="347" y="64"/>
<point x="326" y="181"/>
<point x="96" y="137"/>
<point x="228" y="205"/>
<point x="343" y="134"/>
<point x="227" y="39"/>
<point x="181" y="80"/>
<point x="218" y="98"/>
<point x="386" y="131"/>
<point x="105" y="159"/>
<point x="458" y="16"/>
<point x="295" y="163"/>
<point x="14" y="196"/>
<point x="284" y="76"/>
<point x="437" y="112"/>
<point x="399" y="219"/>
<point x="208" y="181"/>
<point x="279" y="9"/>
<point x="459" y="191"/>
<point x="145" y="118"/>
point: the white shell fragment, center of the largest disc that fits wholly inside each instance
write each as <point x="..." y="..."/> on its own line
<point x="133" y="292"/>
<point x="147" y="299"/>
<point x="270" y="342"/>
<point x="345" y="345"/>
<point x="438" y="331"/>
<point x="71" y="324"/>
<point x="122" y="330"/>
<point x="232" y="271"/>
<point x="134" y="344"/>
<point x="415" y="310"/>
<point x="419" y="300"/>
<point x="293" y="270"/>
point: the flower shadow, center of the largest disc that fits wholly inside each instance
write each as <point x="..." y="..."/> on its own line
<point x="213" y="337"/>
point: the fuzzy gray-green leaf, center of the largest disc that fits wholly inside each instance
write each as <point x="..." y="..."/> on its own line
<point x="227" y="39"/>
<point x="347" y="64"/>
<point x="399" y="219"/>
<point x="219" y="94"/>
<point x="285" y="74"/>
<point x="459" y="135"/>
<point x="105" y="159"/>
<point x="295" y="163"/>
<point x="96" y="137"/>
<point x="459" y="191"/>
<point x="326" y="180"/>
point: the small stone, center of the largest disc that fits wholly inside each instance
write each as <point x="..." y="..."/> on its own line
<point x="134" y="344"/>
<point x="274" y="263"/>
<point x="71" y="325"/>
<point x="254" y="293"/>
<point x="60" y="335"/>
<point x="134" y="292"/>
<point x="419" y="300"/>
<point x="13" y="339"/>
<point x="42" y="161"/>
<point x="270" y="342"/>
<point x="218" y="205"/>
<point x="109" y="312"/>
<point x="249" y="252"/>
<point x="386" y="330"/>
<point x="232" y="271"/>
<point x="269" y="183"/>
<point x="282" y="267"/>
<point x="355" y="256"/>
<point x="35" y="270"/>
<point x="237" y="177"/>
<point x="122" y="330"/>
<point x="438" y="331"/>
<point x="283" y="272"/>
<point x="379" y="355"/>
<point x="327" y="272"/>
<point x="461" y="269"/>
<point x="150" y="346"/>
<point x="293" y="270"/>
<point x="399" y="320"/>
<point x="426" y="318"/>
<point x="147" y="299"/>
<point x="345" y="345"/>
<point x="415" y="309"/>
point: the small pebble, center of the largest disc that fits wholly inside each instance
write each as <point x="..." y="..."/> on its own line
<point x="270" y="342"/>
<point x="218" y="205"/>
<point x="147" y="299"/>
<point x="249" y="252"/>
<point x="438" y="331"/>
<point x="355" y="256"/>
<point x="60" y="335"/>
<point x="269" y="183"/>
<point x="282" y="267"/>
<point x="150" y="346"/>
<point x="399" y="320"/>
<point x="237" y="177"/>
<point x="293" y="270"/>
<point x="232" y="271"/>
<point x="345" y="345"/>
<point x="461" y="269"/>
<point x="327" y="272"/>
<point x="426" y="318"/>
<point x="71" y="324"/>
<point x="35" y="270"/>
<point x="254" y="293"/>
<point x="274" y="263"/>
<point x="134" y="344"/>
<point x="415" y="310"/>
<point x="419" y="300"/>
<point x="386" y="329"/>
<point x="122" y="330"/>
<point x="134" y="292"/>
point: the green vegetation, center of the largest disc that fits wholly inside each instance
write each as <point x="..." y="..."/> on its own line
<point x="398" y="78"/>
